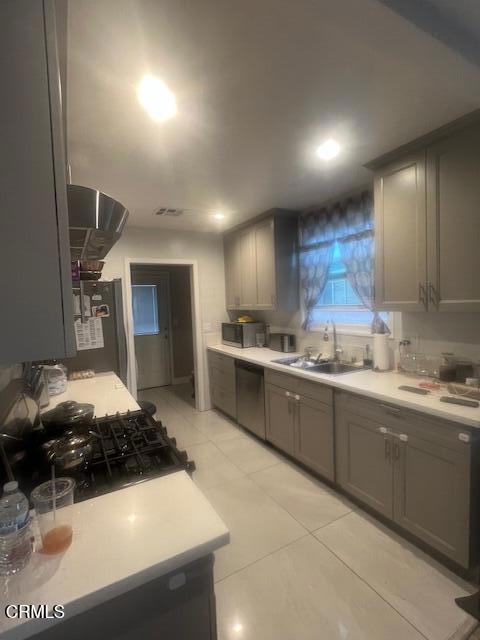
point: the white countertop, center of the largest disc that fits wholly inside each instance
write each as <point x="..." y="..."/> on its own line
<point x="106" y="391"/>
<point x="121" y="539"/>
<point x="379" y="385"/>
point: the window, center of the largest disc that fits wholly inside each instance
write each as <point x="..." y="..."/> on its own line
<point x="338" y="291"/>
<point x="339" y="302"/>
<point x="145" y="309"/>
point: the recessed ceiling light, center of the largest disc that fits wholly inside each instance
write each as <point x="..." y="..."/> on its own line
<point x="156" y="98"/>
<point x="219" y="215"/>
<point x="328" y="149"/>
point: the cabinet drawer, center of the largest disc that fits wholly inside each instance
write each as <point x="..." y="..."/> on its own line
<point x="222" y="378"/>
<point x="300" y="386"/>
<point x="315" y="391"/>
<point x="226" y="363"/>
<point x="281" y="380"/>
<point x="224" y="400"/>
<point x="400" y="420"/>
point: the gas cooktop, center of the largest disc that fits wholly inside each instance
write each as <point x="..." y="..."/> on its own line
<point x="130" y="448"/>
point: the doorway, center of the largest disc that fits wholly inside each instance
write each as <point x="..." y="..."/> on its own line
<point x="184" y="324"/>
<point x="152" y="327"/>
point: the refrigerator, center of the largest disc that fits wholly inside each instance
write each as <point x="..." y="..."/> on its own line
<point x="99" y="328"/>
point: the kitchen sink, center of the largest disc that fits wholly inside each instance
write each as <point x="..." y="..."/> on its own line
<point x="332" y="368"/>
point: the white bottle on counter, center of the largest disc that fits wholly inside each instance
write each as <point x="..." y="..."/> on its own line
<point x="381" y="352"/>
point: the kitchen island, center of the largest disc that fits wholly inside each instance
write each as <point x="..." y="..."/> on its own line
<point x="140" y="564"/>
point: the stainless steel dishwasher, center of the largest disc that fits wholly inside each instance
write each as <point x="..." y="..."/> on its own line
<point x="250" y="397"/>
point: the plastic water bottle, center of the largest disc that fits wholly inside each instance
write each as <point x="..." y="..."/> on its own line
<point x="15" y="535"/>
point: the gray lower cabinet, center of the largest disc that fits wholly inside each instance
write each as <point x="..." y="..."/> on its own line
<point x="178" y="605"/>
<point x="364" y="466"/>
<point x="432" y="495"/>
<point x="280" y="418"/>
<point x="222" y="383"/>
<point x="35" y="278"/>
<point x="299" y="420"/>
<point x="314" y="436"/>
<point x="411" y="468"/>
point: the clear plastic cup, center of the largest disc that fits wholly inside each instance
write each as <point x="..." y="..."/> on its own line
<point x="54" y="511"/>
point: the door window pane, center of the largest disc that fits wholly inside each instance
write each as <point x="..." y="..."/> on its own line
<point x="145" y="309"/>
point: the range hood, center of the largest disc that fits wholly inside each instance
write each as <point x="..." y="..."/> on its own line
<point x="96" y="222"/>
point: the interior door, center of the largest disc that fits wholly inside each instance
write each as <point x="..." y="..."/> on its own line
<point x="151" y="320"/>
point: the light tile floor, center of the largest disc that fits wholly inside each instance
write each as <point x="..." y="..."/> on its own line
<point x="304" y="563"/>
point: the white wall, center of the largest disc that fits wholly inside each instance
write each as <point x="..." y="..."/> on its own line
<point x="205" y="248"/>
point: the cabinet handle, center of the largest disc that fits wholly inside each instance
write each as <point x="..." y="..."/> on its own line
<point x="387" y="448"/>
<point x="464" y="437"/>
<point x="383" y="430"/>
<point x="432" y="294"/>
<point x="393" y="411"/>
<point x="422" y="294"/>
<point x="297" y="397"/>
<point x="288" y="394"/>
<point x="403" y="437"/>
<point x="396" y="451"/>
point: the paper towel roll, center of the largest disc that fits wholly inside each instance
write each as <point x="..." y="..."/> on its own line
<point x="381" y="352"/>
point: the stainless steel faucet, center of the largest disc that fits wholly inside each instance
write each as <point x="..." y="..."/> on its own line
<point x="336" y="350"/>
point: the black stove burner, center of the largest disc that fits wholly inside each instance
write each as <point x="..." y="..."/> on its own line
<point x="129" y="448"/>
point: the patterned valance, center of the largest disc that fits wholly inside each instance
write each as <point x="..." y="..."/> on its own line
<point x="337" y="221"/>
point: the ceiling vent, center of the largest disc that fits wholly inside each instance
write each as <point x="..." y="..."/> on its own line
<point x="168" y="211"/>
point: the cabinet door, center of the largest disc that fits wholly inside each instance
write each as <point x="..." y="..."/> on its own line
<point x="35" y="280"/>
<point x="314" y="436"/>
<point x="280" y="414"/>
<point x="400" y="235"/>
<point x="247" y="269"/>
<point x="265" y="264"/>
<point x="453" y="209"/>
<point x="231" y="249"/>
<point x="432" y="490"/>
<point x="364" y="463"/>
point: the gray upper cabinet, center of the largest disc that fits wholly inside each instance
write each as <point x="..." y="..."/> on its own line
<point x="264" y="233"/>
<point x="261" y="264"/>
<point x="35" y="278"/>
<point x="453" y="210"/>
<point x="427" y="225"/>
<point x="400" y="234"/>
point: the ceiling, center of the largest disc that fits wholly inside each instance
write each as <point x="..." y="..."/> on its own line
<point x="259" y="85"/>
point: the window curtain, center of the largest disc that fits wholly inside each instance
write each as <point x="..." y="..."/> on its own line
<point x="350" y="222"/>
<point x="317" y="237"/>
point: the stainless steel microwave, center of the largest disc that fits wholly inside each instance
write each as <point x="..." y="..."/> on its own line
<point x="241" y="334"/>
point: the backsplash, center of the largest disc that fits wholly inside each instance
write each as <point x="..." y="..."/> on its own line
<point x="430" y="333"/>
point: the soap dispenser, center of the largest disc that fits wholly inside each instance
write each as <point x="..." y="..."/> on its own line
<point x="327" y="347"/>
